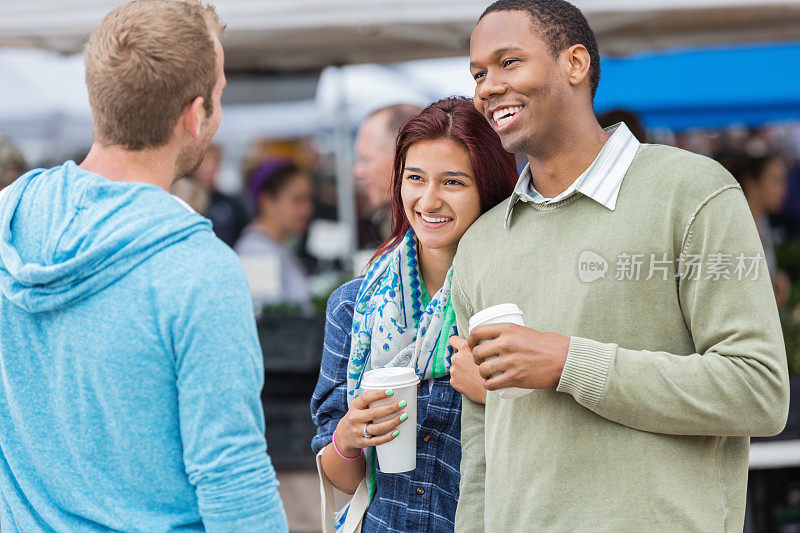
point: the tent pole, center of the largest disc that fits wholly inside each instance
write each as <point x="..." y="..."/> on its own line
<point x="344" y="168"/>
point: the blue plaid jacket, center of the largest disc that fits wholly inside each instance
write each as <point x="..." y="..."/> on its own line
<point x="418" y="501"/>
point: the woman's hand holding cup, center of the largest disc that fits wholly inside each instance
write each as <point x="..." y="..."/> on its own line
<point x="465" y="377"/>
<point x="350" y="437"/>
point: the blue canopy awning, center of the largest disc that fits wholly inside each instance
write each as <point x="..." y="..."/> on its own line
<point x="706" y="88"/>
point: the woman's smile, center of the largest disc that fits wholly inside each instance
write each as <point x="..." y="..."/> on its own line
<point x="433" y="221"/>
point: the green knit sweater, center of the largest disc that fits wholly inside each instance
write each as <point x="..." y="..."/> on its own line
<point x="666" y="378"/>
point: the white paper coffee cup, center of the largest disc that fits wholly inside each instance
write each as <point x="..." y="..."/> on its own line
<point x="399" y="454"/>
<point x="500" y="314"/>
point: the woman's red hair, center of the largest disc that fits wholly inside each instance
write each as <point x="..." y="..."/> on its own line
<point x="455" y="119"/>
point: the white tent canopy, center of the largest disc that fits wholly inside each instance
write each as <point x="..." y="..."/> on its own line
<point x="57" y="116"/>
<point x="308" y="35"/>
<point x="311" y="34"/>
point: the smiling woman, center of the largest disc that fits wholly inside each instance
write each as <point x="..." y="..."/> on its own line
<point x="449" y="168"/>
<point x="440" y="201"/>
<point x="487" y="167"/>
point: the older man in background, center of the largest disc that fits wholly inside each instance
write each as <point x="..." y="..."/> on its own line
<point x="373" y="169"/>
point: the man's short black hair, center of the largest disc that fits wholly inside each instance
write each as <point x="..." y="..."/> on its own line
<point x="561" y="25"/>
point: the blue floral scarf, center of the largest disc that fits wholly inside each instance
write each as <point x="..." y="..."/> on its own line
<point x="393" y="328"/>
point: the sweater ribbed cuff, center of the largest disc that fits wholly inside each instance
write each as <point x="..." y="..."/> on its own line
<point x="586" y="370"/>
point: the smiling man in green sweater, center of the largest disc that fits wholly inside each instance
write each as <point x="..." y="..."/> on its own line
<point x="652" y="344"/>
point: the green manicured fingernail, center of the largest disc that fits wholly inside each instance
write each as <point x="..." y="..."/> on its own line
<point x="402" y="404"/>
<point x="405" y="415"/>
<point x="389" y="392"/>
<point x="396" y="433"/>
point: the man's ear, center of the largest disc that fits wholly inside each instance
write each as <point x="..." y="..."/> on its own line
<point x="193" y="116"/>
<point x="579" y="63"/>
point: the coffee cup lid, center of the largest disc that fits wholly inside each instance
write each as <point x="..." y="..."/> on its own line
<point x="382" y="378"/>
<point x="491" y="313"/>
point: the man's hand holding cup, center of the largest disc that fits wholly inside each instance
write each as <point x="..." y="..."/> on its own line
<point x="527" y="358"/>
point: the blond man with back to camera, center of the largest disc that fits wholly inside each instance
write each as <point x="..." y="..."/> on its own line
<point x="132" y="369"/>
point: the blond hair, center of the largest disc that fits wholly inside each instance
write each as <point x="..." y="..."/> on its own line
<point x="145" y="62"/>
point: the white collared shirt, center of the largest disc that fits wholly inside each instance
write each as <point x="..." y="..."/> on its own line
<point x="601" y="181"/>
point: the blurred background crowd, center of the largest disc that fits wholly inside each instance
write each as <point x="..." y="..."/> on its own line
<point x="297" y="181"/>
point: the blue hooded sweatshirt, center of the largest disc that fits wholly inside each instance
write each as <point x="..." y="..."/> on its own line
<point x="130" y="368"/>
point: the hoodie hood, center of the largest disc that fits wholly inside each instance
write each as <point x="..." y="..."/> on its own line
<point x="66" y="234"/>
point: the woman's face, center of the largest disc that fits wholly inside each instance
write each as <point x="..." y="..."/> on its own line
<point x="293" y="206"/>
<point x="440" y="197"/>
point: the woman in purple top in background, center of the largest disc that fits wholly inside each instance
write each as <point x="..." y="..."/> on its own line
<point x="282" y="194"/>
